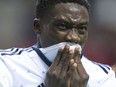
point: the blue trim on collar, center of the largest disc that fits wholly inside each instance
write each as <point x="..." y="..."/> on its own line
<point x="42" y="56"/>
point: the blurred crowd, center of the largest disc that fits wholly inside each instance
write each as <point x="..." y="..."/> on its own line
<point x="16" y="27"/>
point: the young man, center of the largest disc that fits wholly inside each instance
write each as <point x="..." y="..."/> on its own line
<point x="56" y="21"/>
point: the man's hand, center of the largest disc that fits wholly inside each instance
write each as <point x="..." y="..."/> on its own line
<point x="66" y="70"/>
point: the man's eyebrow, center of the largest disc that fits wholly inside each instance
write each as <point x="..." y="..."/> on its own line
<point x="83" y="23"/>
<point x="61" y="18"/>
<point x="62" y="21"/>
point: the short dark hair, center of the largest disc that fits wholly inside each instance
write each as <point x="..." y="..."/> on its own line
<point x="43" y="5"/>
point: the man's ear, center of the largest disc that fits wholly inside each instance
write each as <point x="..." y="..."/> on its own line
<point x="37" y="27"/>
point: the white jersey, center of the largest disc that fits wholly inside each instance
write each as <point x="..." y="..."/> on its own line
<point x="27" y="67"/>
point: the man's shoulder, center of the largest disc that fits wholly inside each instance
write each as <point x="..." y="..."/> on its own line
<point x="15" y="61"/>
<point x="101" y="73"/>
<point x="18" y="55"/>
<point x="15" y="51"/>
<point x="93" y="66"/>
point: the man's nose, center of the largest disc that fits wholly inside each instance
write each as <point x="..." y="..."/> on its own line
<point x="72" y="36"/>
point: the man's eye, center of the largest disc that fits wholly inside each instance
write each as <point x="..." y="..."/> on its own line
<point x="62" y="26"/>
<point x="83" y="28"/>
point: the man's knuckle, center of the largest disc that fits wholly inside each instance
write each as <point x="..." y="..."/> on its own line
<point x="85" y="77"/>
<point x="78" y="79"/>
<point x="54" y="73"/>
<point x="48" y="73"/>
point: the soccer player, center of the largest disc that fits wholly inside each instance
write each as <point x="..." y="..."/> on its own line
<point x="62" y="29"/>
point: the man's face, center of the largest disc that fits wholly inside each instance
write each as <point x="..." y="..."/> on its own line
<point x="66" y="22"/>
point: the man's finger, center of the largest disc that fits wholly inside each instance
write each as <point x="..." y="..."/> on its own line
<point x="64" y="55"/>
<point x="66" y="64"/>
<point x="80" y="68"/>
<point x="77" y="55"/>
<point x="72" y="70"/>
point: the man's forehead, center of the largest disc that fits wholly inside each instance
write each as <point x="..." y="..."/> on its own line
<point x="70" y="10"/>
<point x="68" y="6"/>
